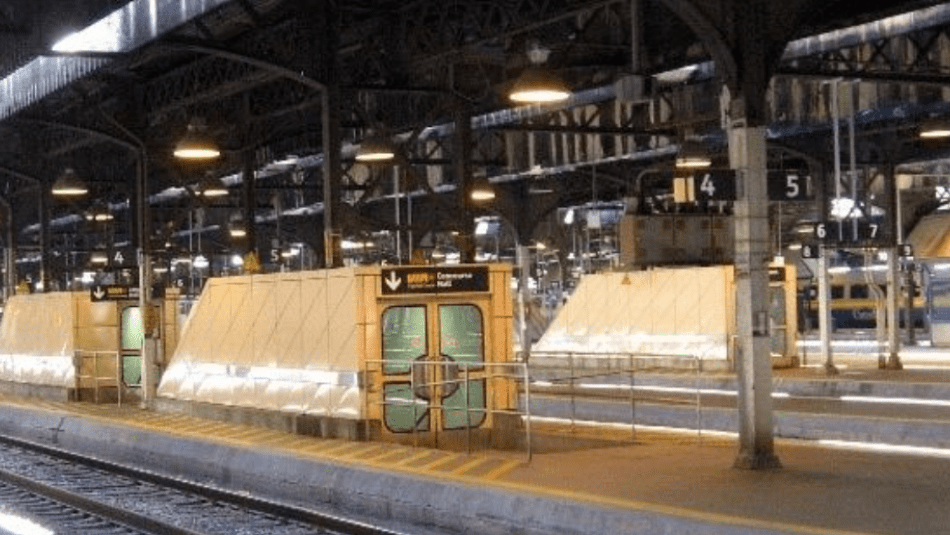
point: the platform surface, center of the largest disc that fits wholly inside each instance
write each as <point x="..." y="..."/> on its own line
<point x="650" y="481"/>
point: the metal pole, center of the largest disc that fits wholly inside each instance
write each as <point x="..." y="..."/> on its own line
<point x="527" y="408"/>
<point x="573" y="401"/>
<point x="522" y="259"/>
<point x="468" y="420"/>
<point x="633" y="407"/>
<point x="396" y="198"/>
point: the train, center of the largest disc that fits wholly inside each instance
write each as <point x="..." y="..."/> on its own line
<point x="855" y="295"/>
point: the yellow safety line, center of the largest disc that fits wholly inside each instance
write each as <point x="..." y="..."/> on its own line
<point x="501" y="469"/>
<point x="438" y="462"/>
<point x="332" y="451"/>
<point x="467" y="465"/>
<point x="356" y="451"/>
<point x="318" y="447"/>
<point x="414" y="457"/>
<point x="378" y="458"/>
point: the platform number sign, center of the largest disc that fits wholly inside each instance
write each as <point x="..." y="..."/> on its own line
<point x="905" y="250"/>
<point x="809" y="251"/>
<point x="715" y="185"/>
<point x="789" y="186"/>
<point x="844" y="232"/>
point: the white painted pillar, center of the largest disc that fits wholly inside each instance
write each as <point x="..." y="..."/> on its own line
<point x="747" y="155"/>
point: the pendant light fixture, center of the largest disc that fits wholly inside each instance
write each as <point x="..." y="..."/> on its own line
<point x="538" y="84"/>
<point x="68" y="184"/>
<point x="196" y="145"/>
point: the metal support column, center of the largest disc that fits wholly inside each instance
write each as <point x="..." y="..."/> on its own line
<point x="747" y="155"/>
<point x="326" y="22"/>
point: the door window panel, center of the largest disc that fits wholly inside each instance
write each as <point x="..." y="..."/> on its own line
<point x="461" y="334"/>
<point x="402" y="411"/>
<point x="454" y="406"/>
<point x="404" y="337"/>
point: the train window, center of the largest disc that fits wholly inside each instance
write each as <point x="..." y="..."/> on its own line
<point x="837" y="291"/>
<point x="859" y="291"/>
<point x="404" y="337"/>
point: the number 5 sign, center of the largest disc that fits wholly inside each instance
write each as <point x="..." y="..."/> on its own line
<point x="789" y="186"/>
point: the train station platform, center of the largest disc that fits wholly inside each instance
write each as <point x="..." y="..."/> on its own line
<point x="579" y="480"/>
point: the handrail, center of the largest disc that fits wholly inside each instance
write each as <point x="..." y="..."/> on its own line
<point x="515" y="372"/>
<point x="587" y="365"/>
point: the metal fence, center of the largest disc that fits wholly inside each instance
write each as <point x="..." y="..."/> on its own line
<point x="582" y="374"/>
<point x="103" y="369"/>
<point x="505" y="384"/>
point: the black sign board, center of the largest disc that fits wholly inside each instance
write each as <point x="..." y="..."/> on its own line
<point x="715" y="185"/>
<point x="438" y="279"/>
<point x="789" y="186"/>
<point x="776" y="274"/>
<point x="905" y="250"/>
<point x="849" y="231"/>
<point x="809" y="250"/>
<point x="113" y="292"/>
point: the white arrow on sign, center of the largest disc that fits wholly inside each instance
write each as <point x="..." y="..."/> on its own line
<point x="98" y="293"/>
<point x="393" y="281"/>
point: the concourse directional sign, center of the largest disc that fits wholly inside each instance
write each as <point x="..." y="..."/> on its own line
<point x="435" y="279"/>
<point x="113" y="292"/>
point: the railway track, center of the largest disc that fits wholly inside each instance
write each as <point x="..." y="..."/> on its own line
<point x="78" y="495"/>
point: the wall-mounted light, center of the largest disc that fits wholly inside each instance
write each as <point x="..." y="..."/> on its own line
<point x="692" y="155"/>
<point x="69" y="184"/>
<point x="196" y="145"/>
<point x="934" y="128"/>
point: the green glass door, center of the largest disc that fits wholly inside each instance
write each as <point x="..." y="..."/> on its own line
<point x="433" y="368"/>
<point x="133" y="333"/>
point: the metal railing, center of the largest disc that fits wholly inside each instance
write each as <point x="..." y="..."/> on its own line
<point x="575" y="372"/>
<point x="110" y="378"/>
<point x="501" y="394"/>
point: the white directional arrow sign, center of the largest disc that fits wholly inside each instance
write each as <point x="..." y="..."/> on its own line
<point x="98" y="293"/>
<point x="393" y="282"/>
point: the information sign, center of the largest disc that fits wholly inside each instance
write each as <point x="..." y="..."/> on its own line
<point x="113" y="292"/>
<point x="436" y="279"/>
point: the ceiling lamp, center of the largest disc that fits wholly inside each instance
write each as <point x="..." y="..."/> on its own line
<point x="692" y="155"/>
<point x="538" y="84"/>
<point x="99" y="212"/>
<point x="934" y="128"/>
<point x="375" y="149"/>
<point x="195" y="145"/>
<point x="482" y="191"/>
<point x="68" y="184"/>
<point x="98" y="258"/>
<point x="236" y="227"/>
<point x="212" y="187"/>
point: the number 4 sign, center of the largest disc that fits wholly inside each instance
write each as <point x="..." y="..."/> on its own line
<point x="715" y="185"/>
